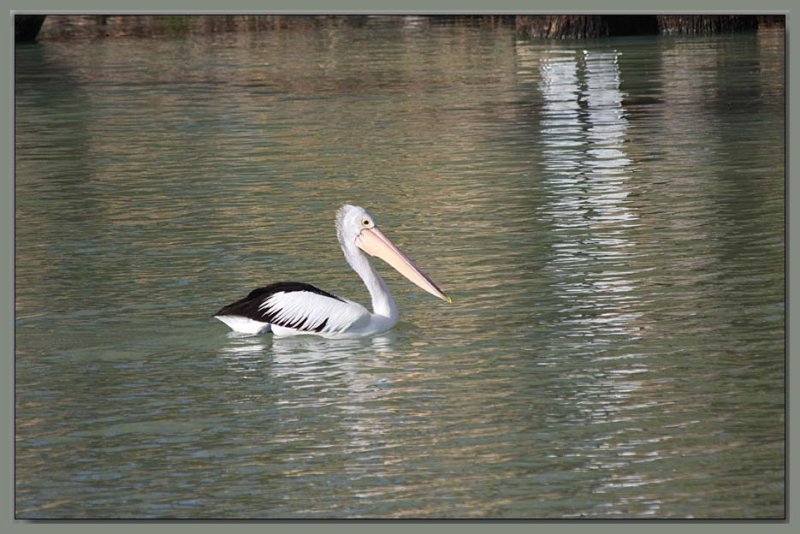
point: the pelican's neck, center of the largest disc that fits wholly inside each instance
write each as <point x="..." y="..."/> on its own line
<point x="383" y="303"/>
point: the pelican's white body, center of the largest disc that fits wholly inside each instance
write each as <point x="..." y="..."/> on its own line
<point x="244" y="325"/>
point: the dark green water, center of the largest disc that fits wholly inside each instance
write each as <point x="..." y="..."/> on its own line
<point x="607" y="215"/>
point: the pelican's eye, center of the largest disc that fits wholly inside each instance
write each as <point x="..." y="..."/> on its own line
<point x="366" y="223"/>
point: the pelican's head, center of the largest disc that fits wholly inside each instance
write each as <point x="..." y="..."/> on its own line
<point x="355" y="226"/>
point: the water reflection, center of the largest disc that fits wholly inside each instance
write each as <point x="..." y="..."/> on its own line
<point x="603" y="264"/>
<point x="322" y="392"/>
<point x="583" y="133"/>
<point x="305" y="362"/>
<point x="593" y="263"/>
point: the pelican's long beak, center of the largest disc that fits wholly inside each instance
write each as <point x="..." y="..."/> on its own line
<point x="373" y="242"/>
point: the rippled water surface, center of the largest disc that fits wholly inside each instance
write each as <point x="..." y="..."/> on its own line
<point x="607" y="216"/>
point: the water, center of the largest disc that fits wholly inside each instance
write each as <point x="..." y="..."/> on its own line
<point x="607" y="216"/>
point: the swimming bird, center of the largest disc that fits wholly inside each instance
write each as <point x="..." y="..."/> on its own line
<point x="292" y="308"/>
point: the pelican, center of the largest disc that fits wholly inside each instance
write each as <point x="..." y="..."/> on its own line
<point x="292" y="308"/>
